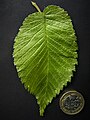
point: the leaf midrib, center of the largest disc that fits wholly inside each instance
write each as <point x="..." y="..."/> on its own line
<point x="47" y="54"/>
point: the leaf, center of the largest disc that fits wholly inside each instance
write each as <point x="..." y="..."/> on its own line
<point x="45" y="53"/>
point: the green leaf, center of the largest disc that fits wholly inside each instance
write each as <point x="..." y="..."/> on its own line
<point x="45" y="53"/>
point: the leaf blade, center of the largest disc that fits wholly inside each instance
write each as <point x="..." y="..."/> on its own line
<point x="45" y="53"/>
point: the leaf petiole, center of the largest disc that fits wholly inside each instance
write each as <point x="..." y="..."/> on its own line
<point x="35" y="5"/>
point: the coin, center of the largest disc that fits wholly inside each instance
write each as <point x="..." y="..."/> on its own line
<point x="71" y="102"/>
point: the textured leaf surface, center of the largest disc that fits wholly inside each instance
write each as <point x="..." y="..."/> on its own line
<point x="45" y="53"/>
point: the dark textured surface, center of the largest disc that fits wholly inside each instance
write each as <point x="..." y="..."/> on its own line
<point x="15" y="102"/>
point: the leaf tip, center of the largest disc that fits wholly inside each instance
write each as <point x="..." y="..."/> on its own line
<point x="41" y="112"/>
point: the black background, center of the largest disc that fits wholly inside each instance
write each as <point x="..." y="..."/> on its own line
<point x="15" y="102"/>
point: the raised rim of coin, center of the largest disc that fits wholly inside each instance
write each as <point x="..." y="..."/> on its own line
<point x="68" y="94"/>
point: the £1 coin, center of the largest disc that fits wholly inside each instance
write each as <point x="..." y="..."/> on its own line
<point x="71" y="102"/>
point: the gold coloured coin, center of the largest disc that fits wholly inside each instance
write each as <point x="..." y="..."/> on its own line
<point x="71" y="102"/>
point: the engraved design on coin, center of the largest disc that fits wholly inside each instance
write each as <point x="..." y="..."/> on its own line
<point x="71" y="102"/>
